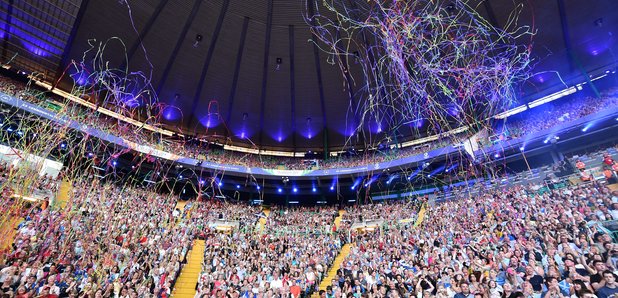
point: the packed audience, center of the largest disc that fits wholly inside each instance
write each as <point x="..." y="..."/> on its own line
<point x="289" y="259"/>
<point x="108" y="241"/>
<point x="560" y="112"/>
<point x="504" y="243"/>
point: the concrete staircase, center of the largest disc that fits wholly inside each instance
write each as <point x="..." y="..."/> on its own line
<point x="332" y="272"/>
<point x="339" y="218"/>
<point x="420" y="216"/>
<point x="262" y="221"/>
<point x="66" y="187"/>
<point x="187" y="281"/>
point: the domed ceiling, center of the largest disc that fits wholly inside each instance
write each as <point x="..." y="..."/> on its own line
<point x="249" y="71"/>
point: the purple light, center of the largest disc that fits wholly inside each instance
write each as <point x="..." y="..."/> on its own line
<point x="130" y="101"/>
<point x="496" y="155"/>
<point x="242" y="135"/>
<point x="453" y="111"/>
<point x="295" y="189"/>
<point x="171" y="113"/>
<point x="80" y="78"/>
<point x="210" y="120"/>
<point x="279" y="190"/>
<point x="279" y="139"/>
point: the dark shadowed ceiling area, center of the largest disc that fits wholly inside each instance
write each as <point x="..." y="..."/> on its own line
<point x="217" y="60"/>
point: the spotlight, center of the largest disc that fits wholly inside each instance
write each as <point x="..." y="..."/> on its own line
<point x="114" y="163"/>
<point x="90" y="154"/>
<point x="279" y="190"/>
<point x="497" y="155"/>
<point x="521" y="148"/>
<point x="237" y="186"/>
<point x="258" y="187"/>
<point x="313" y="189"/>
<point x="220" y="184"/>
<point x="295" y="189"/>
<point x="179" y="176"/>
<point x="198" y="39"/>
<point x="332" y="188"/>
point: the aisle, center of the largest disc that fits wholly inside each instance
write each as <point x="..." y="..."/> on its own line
<point x="66" y="186"/>
<point x="421" y="216"/>
<point x="262" y="221"/>
<point x="187" y="281"/>
<point x="332" y="271"/>
<point x="339" y="218"/>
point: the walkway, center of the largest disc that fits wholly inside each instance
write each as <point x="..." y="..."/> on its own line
<point x="262" y="221"/>
<point x="332" y="272"/>
<point x="339" y="218"/>
<point x="187" y="281"/>
<point x="66" y="187"/>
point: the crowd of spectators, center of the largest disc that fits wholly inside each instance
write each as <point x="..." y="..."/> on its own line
<point x="552" y="114"/>
<point x="503" y="242"/>
<point x="509" y="242"/>
<point x="203" y="152"/>
<point x="109" y="241"/>
<point x="558" y="112"/>
<point x="289" y="259"/>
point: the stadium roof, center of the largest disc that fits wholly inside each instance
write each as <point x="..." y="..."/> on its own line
<point x="246" y="69"/>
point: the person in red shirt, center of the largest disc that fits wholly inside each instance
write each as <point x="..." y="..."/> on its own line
<point x="295" y="290"/>
<point x="580" y="165"/>
<point x="608" y="160"/>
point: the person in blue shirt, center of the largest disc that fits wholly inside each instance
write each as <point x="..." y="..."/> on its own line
<point x="610" y="288"/>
